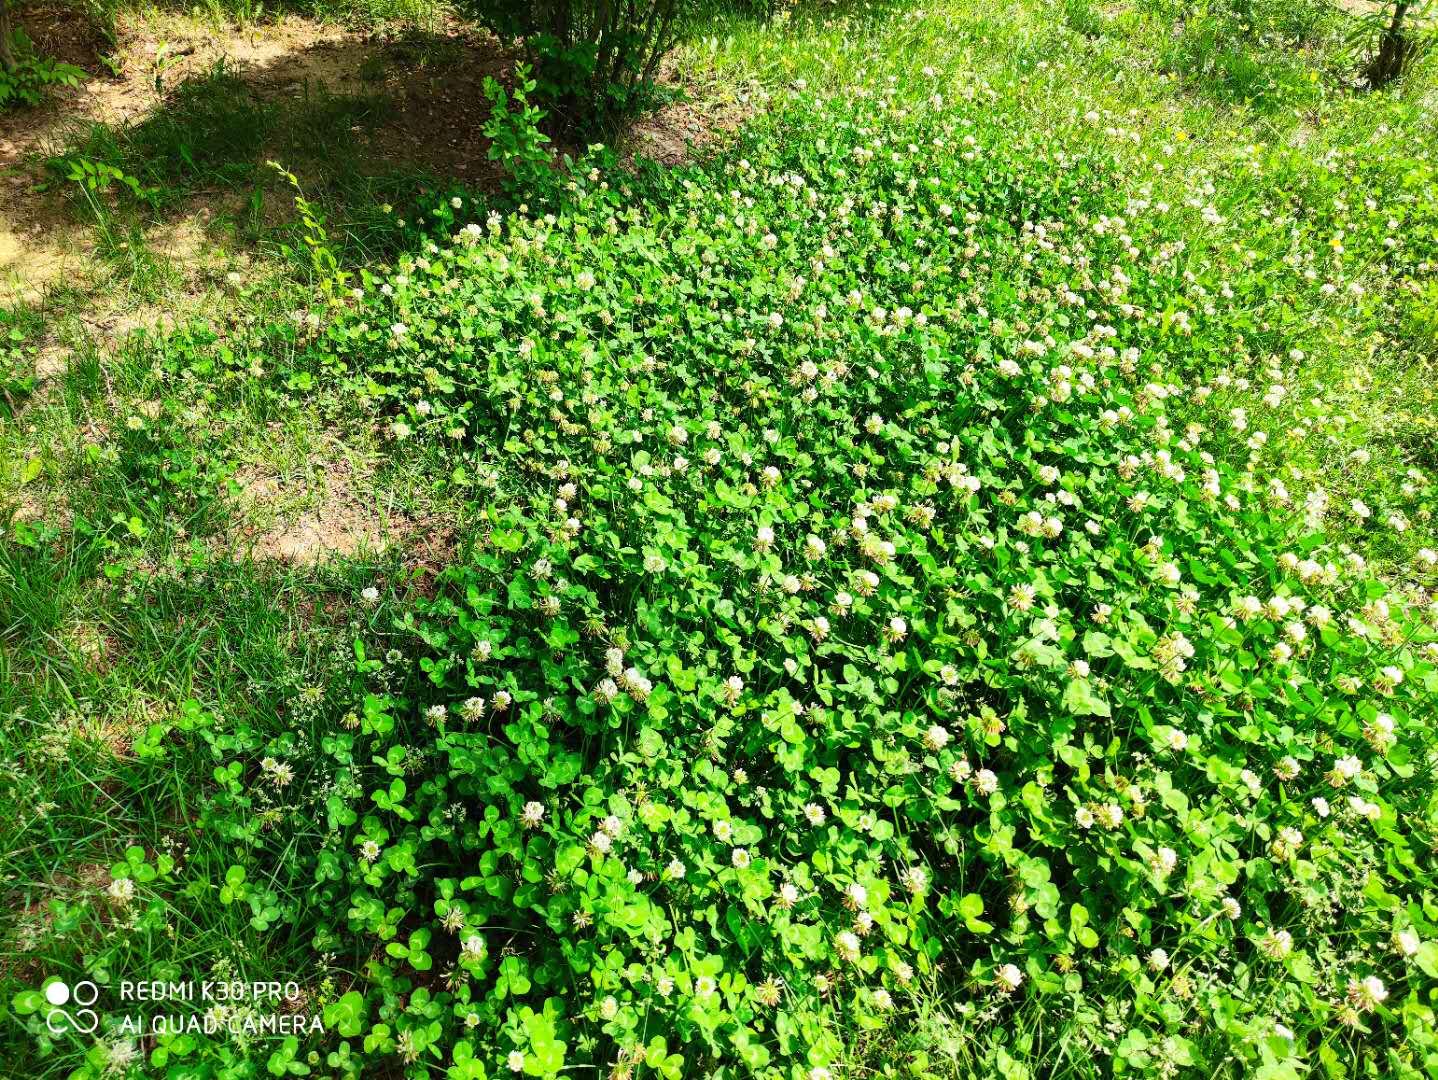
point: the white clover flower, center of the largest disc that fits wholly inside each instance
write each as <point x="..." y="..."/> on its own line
<point x="532" y="815"/>
<point x="1276" y="944"/>
<point x="1163" y="861"/>
<point x="936" y="738"/>
<point x="1344" y="769"/>
<point x="1008" y="978"/>
<point x="846" y="944"/>
<point x="1406" y="943"/>
<point x="515" y="1061"/>
<point x="120" y="1055"/>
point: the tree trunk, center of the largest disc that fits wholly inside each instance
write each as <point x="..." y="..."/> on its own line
<point x="1393" y="48"/>
<point x="7" y="51"/>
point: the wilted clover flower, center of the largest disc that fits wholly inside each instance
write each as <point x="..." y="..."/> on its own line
<point x="1367" y="993"/>
<point x="1109" y="815"/>
<point x="733" y="687"/>
<point x="769" y="992"/>
<point x="1163" y="861"/>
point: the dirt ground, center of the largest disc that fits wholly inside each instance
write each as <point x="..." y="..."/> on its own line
<point x="431" y="82"/>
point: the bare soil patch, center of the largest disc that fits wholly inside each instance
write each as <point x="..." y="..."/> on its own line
<point x="309" y="515"/>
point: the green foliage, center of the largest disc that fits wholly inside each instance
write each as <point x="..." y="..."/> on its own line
<point x="515" y="139"/>
<point x="31" y="77"/>
<point x="97" y="177"/>
<point x="322" y="258"/>
<point x="17" y="367"/>
<point x="941" y="588"/>
<point x="1248" y="51"/>
<point x="870" y="609"/>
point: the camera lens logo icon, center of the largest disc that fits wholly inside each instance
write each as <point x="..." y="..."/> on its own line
<point x="70" y="1007"/>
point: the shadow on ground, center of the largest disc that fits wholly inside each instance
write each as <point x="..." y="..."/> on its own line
<point x="193" y="115"/>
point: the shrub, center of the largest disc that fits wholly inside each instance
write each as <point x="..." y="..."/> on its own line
<point x="593" y="60"/>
